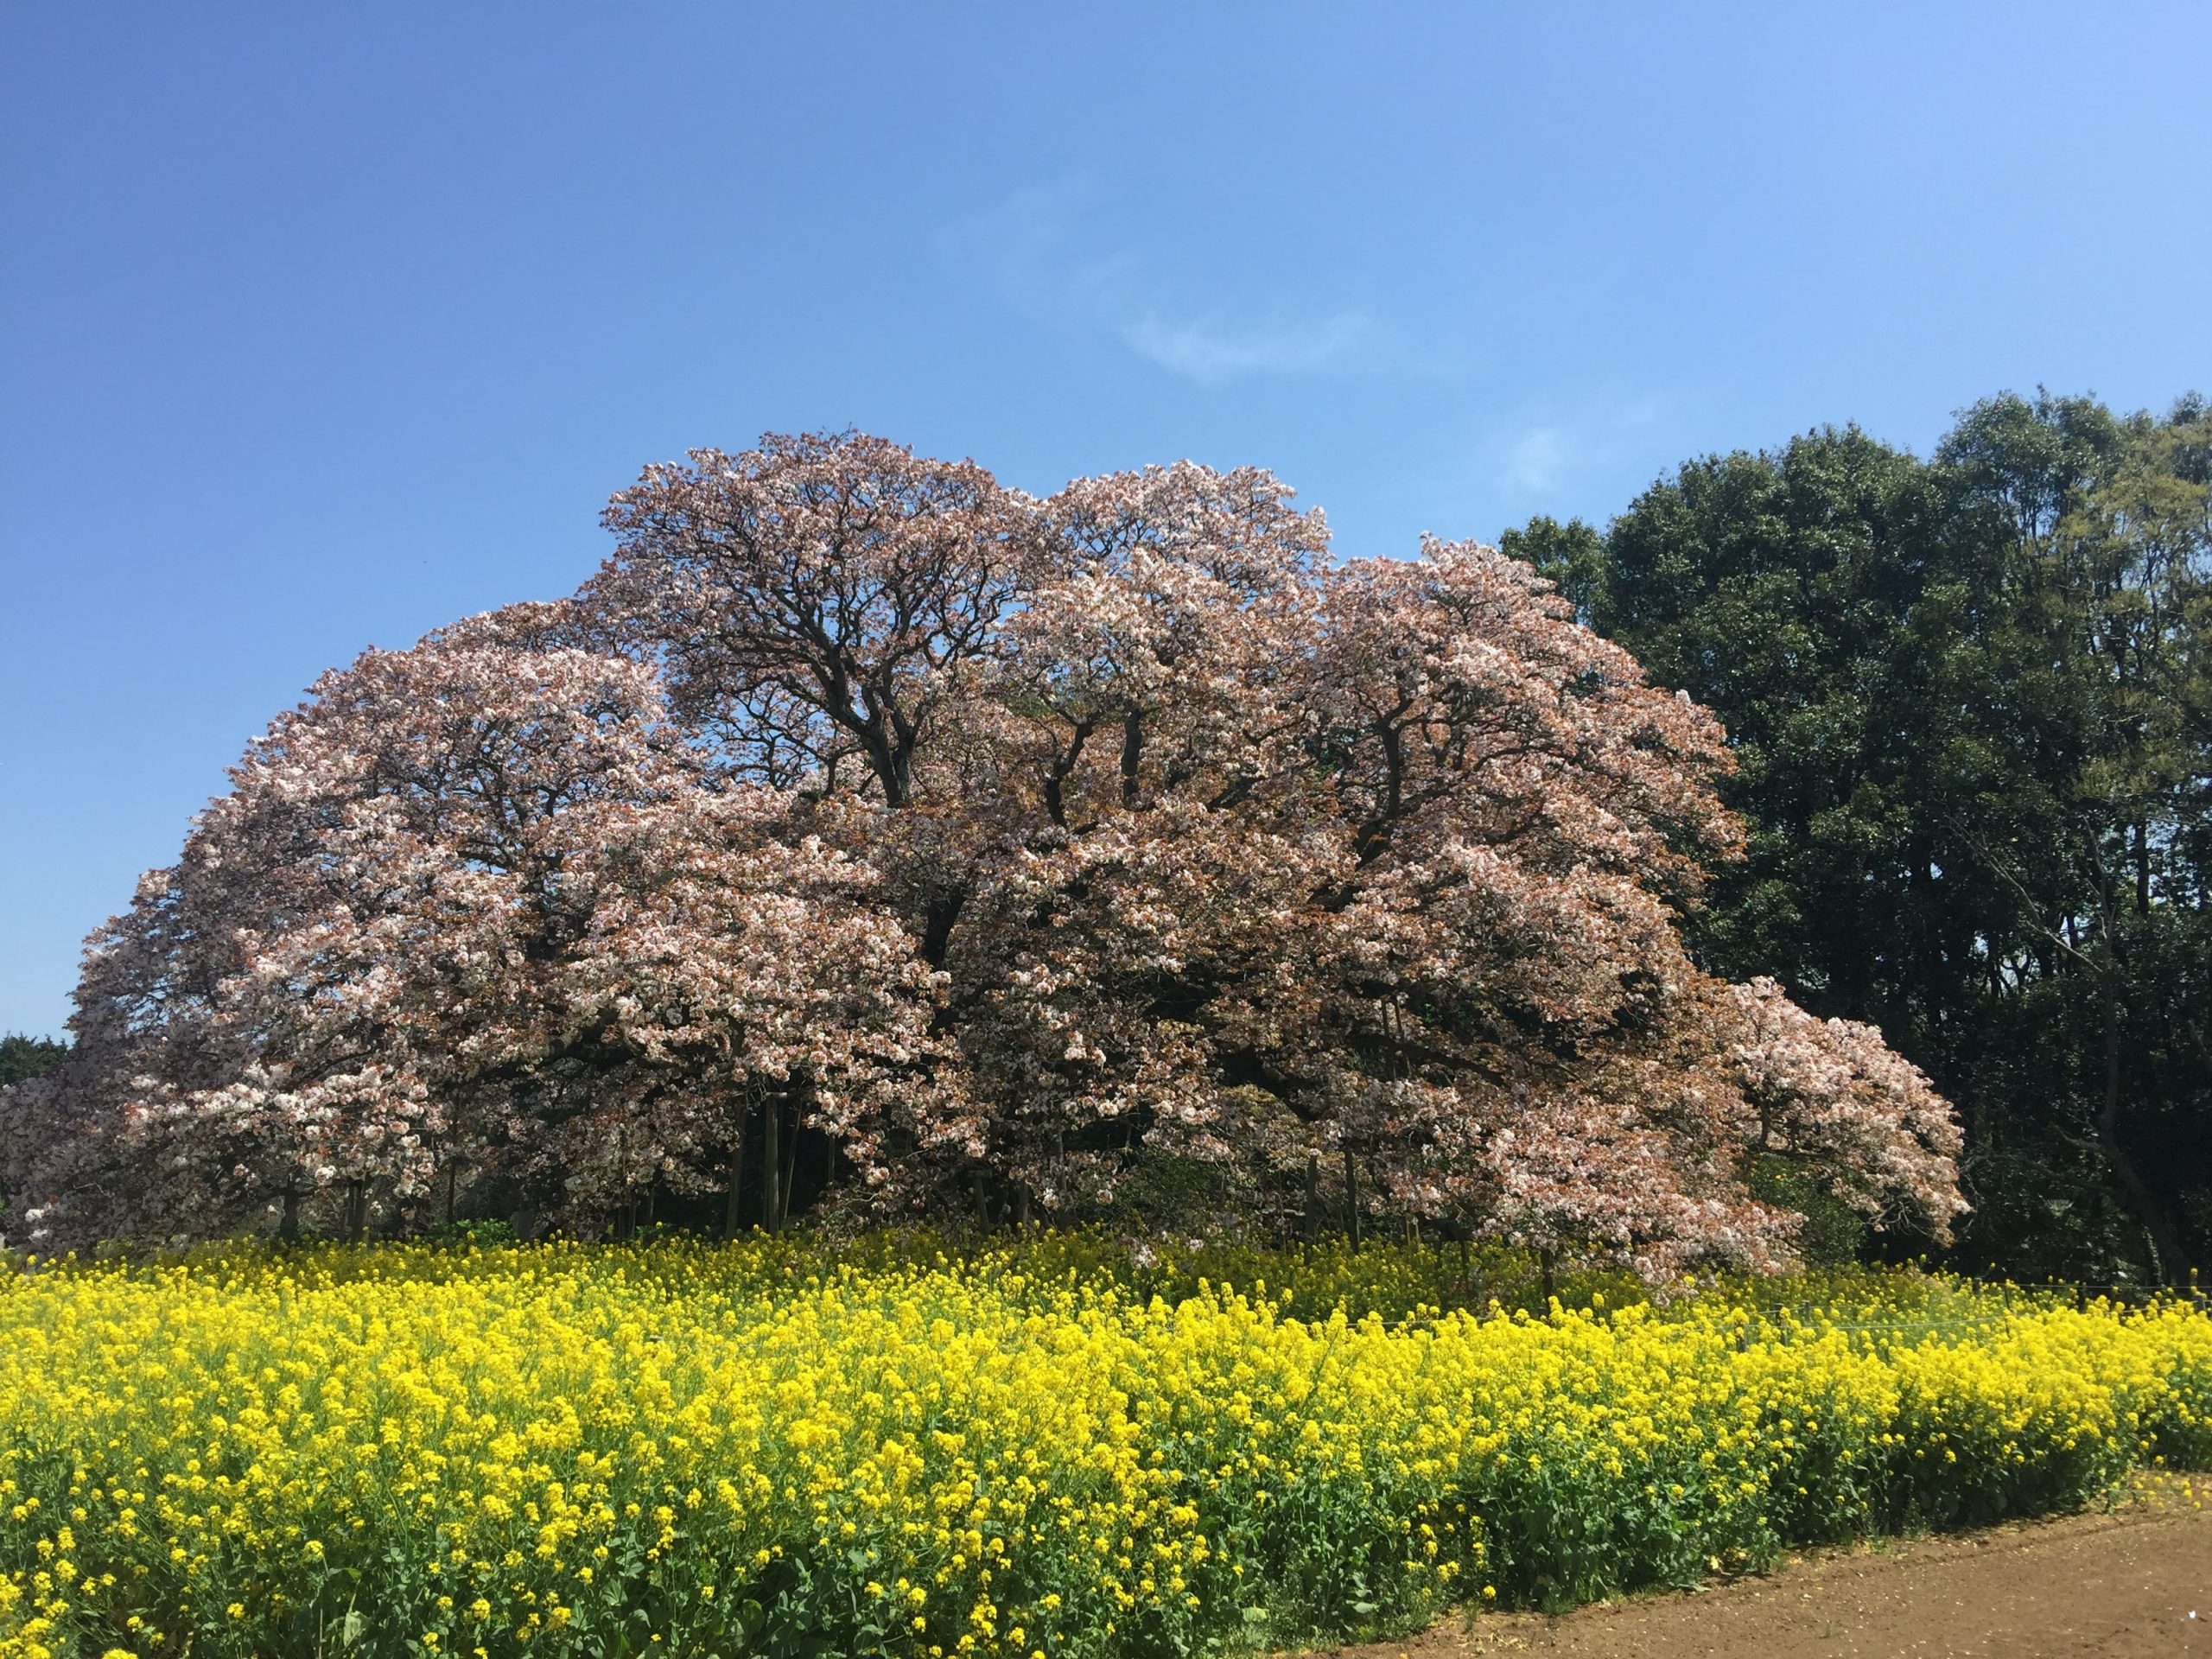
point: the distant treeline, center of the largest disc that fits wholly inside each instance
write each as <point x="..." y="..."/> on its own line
<point x="24" y="1057"/>
<point x="1970" y="697"/>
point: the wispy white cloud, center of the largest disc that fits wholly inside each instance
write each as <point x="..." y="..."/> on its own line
<point x="1032" y="248"/>
<point x="1208" y="350"/>
<point x="1535" y="459"/>
<point x="1028" y="248"/>
<point x="1583" y="455"/>
<point x="1542" y="452"/>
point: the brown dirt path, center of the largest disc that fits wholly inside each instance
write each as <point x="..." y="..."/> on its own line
<point x="2136" y="1582"/>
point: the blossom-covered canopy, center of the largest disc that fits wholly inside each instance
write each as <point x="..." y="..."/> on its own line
<point x="1002" y="842"/>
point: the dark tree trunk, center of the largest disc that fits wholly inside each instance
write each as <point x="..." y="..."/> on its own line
<point x="771" y="1163"/>
<point x="288" y="1228"/>
<point x="2166" y="1238"/>
<point x="790" y="1168"/>
<point x="622" y="1222"/>
<point x="1063" y="768"/>
<point x="2172" y="1255"/>
<point x="731" y="1221"/>
<point x="936" y="928"/>
<point x="1351" y="1198"/>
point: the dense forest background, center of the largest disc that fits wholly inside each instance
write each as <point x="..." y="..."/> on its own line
<point x="1970" y="698"/>
<point x="1971" y="702"/>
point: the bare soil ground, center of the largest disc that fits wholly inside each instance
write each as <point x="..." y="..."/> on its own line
<point x="2135" y="1582"/>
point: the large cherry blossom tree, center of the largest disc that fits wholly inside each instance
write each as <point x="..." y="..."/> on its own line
<point x="1002" y="843"/>
<point x="446" y="925"/>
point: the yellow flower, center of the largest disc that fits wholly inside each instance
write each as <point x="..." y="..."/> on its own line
<point x="524" y="1424"/>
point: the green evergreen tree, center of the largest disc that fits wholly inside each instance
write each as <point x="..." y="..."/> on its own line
<point x="24" y="1058"/>
<point x="1968" y="701"/>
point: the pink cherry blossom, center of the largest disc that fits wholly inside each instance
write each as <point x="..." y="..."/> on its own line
<point x="1003" y="841"/>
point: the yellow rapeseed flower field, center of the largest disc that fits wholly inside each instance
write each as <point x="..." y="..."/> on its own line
<point x="770" y="1447"/>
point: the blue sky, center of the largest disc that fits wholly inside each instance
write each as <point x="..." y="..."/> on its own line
<point x="322" y="325"/>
